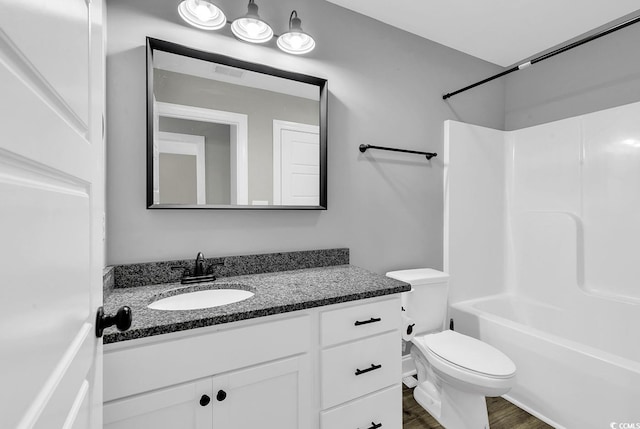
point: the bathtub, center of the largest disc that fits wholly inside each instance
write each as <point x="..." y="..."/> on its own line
<point x="578" y="366"/>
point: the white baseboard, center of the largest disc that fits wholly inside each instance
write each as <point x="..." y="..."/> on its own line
<point x="408" y="368"/>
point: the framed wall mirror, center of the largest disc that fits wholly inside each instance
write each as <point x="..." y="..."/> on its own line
<point x="229" y="134"/>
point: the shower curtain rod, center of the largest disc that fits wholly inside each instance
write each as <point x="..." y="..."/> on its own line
<point x="548" y="55"/>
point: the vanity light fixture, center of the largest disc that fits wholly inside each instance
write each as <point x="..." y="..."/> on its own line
<point x="202" y="14"/>
<point x="251" y="28"/>
<point x="295" y="41"/>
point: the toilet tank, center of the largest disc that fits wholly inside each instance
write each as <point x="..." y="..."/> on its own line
<point x="426" y="303"/>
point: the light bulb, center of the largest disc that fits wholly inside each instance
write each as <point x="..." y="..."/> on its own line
<point x="296" y="41"/>
<point x="251" y="30"/>
<point x="202" y="14"/>
<point x="252" y="27"/>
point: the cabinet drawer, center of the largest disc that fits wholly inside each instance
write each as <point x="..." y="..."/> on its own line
<point x="351" y="323"/>
<point x="375" y="360"/>
<point x="381" y="408"/>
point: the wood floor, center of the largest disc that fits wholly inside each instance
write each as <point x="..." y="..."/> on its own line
<point x="502" y="415"/>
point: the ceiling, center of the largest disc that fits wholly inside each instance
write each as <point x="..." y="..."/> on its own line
<point x="210" y="70"/>
<point x="503" y="32"/>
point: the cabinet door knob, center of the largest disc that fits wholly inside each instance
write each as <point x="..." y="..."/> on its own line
<point x="221" y="396"/>
<point x="122" y="319"/>
<point x="204" y="400"/>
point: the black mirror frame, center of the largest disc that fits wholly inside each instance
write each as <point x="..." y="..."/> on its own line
<point x="156" y="44"/>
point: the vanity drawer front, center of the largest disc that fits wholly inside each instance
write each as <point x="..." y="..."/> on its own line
<point x="376" y="360"/>
<point x="351" y="323"/>
<point x="380" y="408"/>
<point x="201" y="355"/>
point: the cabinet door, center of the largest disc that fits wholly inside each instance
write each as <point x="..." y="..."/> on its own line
<point x="184" y="406"/>
<point x="273" y="395"/>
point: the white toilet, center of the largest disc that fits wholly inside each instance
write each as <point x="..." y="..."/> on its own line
<point x="455" y="372"/>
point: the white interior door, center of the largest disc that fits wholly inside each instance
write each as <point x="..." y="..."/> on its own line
<point x="51" y="212"/>
<point x="296" y="164"/>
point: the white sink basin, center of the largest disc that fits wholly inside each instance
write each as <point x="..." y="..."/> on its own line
<point x="201" y="299"/>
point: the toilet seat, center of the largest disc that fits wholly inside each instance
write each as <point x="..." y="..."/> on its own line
<point x="470" y="354"/>
<point x="461" y="358"/>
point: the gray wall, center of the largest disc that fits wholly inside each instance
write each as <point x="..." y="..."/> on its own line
<point x="601" y="74"/>
<point x="385" y="88"/>
<point x="177" y="179"/>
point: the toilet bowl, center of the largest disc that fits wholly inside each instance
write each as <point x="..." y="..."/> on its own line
<point x="455" y="372"/>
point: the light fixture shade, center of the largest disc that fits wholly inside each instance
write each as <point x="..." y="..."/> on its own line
<point x="251" y="28"/>
<point x="296" y="41"/>
<point x="202" y="14"/>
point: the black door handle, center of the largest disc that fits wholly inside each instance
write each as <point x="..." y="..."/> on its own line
<point x="371" y="368"/>
<point x="204" y="400"/>
<point x="122" y="319"/>
<point x="221" y="396"/>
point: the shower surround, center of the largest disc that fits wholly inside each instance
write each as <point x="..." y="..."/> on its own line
<point x="542" y="227"/>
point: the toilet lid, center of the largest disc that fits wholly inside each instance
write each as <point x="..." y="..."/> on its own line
<point x="469" y="353"/>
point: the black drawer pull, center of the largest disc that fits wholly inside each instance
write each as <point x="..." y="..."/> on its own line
<point x="374" y="425"/>
<point x="372" y="320"/>
<point x="371" y="368"/>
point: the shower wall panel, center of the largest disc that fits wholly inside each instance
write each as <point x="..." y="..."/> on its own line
<point x="550" y="212"/>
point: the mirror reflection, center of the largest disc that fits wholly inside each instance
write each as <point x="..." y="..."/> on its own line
<point x="231" y="134"/>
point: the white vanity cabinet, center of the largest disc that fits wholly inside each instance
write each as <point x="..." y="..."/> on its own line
<point x="268" y="395"/>
<point x="224" y="376"/>
<point x="361" y="366"/>
<point x="289" y="371"/>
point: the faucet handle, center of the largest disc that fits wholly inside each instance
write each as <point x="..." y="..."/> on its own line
<point x="185" y="270"/>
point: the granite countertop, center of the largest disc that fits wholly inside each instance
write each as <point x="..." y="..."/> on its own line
<point x="274" y="293"/>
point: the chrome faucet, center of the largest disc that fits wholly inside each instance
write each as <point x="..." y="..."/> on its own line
<point x="200" y="265"/>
